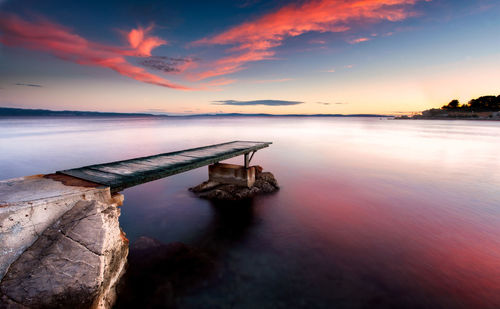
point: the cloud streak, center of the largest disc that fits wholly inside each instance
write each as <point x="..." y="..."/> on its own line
<point x="257" y="102"/>
<point x="255" y="40"/>
<point x="332" y="70"/>
<point x="29" y="85"/>
<point x="358" y="40"/>
<point x="165" y="64"/>
<point x="46" y="36"/>
<point x="329" y="103"/>
<point x="219" y="82"/>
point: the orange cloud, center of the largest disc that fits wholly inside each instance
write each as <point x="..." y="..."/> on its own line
<point x="142" y="43"/>
<point x="254" y="40"/>
<point x="234" y="63"/>
<point x="59" y="41"/>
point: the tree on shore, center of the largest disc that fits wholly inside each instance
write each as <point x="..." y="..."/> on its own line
<point x="487" y="103"/>
<point x="452" y="105"/>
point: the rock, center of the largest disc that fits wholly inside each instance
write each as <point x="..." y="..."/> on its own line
<point x="75" y="263"/>
<point x="6" y="303"/>
<point x="29" y="205"/>
<point x="205" y="186"/>
<point x="265" y="182"/>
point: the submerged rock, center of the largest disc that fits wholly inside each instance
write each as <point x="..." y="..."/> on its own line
<point x="75" y="263"/>
<point x="265" y="182"/>
<point x="158" y="273"/>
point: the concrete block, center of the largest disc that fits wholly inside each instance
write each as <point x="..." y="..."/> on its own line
<point x="232" y="174"/>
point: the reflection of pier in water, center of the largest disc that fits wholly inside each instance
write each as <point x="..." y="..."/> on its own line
<point x="164" y="274"/>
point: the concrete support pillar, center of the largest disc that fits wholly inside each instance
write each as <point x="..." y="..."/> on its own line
<point x="232" y="174"/>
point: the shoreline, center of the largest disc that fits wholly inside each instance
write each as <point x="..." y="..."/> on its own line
<point x="446" y="118"/>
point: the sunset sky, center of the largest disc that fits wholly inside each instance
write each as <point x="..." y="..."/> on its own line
<point x="248" y="56"/>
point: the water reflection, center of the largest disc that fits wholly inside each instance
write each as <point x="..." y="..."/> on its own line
<point x="372" y="213"/>
<point x="158" y="274"/>
<point x="230" y="224"/>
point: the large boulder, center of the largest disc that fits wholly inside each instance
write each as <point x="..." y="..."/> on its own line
<point x="29" y="205"/>
<point x="75" y="263"/>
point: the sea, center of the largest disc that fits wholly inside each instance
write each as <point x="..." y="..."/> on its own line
<point x="372" y="212"/>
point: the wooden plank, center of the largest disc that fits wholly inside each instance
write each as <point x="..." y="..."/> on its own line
<point x="127" y="173"/>
<point x="143" y="165"/>
<point x="164" y="160"/>
<point x="88" y="174"/>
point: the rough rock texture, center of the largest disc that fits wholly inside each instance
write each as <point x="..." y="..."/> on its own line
<point x="264" y="183"/>
<point x="29" y="205"/>
<point x="75" y="263"/>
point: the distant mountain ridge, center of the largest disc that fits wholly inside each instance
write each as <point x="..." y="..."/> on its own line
<point x="7" y="111"/>
<point x="22" y="112"/>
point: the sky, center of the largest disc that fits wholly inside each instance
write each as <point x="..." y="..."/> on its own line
<point x="248" y="56"/>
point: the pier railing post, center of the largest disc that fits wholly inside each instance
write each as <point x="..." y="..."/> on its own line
<point x="247" y="161"/>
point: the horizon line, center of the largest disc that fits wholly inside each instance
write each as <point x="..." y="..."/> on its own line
<point x="33" y="112"/>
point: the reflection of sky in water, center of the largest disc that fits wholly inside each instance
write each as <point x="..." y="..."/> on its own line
<point x="371" y="212"/>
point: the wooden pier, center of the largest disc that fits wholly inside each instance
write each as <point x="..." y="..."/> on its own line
<point x="120" y="175"/>
<point x="71" y="216"/>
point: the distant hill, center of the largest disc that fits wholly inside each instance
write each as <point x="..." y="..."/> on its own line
<point x="12" y="112"/>
<point x="21" y="112"/>
<point x="283" y="115"/>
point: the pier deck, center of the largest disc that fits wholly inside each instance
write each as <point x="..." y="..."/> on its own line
<point x="120" y="175"/>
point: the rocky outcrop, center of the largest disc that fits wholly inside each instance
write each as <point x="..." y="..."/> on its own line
<point x="75" y="263"/>
<point x="29" y="205"/>
<point x="265" y="182"/>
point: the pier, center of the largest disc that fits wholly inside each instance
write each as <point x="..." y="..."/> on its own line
<point x="120" y="175"/>
<point x="77" y="210"/>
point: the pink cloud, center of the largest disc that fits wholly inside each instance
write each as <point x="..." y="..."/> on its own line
<point x="61" y="42"/>
<point x="142" y="43"/>
<point x="215" y="85"/>
<point x="220" y="82"/>
<point x="254" y="40"/>
<point x="358" y="40"/>
<point x="233" y="63"/>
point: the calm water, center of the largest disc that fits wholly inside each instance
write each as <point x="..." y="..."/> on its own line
<point x="372" y="212"/>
